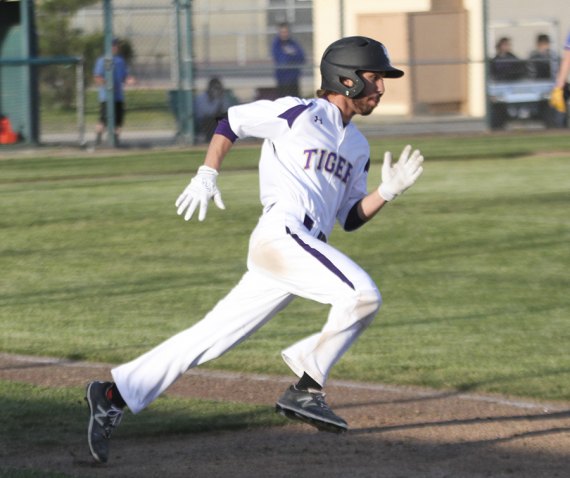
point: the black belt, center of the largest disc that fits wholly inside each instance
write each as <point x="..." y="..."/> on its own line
<point x="309" y="223"/>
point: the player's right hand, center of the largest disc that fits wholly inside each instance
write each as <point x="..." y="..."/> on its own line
<point x="402" y="175"/>
<point x="199" y="192"/>
<point x="557" y="100"/>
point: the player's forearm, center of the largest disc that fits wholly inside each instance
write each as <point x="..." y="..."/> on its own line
<point x="217" y="150"/>
<point x="363" y="211"/>
<point x="370" y="205"/>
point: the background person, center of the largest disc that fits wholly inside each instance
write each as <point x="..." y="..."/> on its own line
<point x="288" y="57"/>
<point x="560" y="93"/>
<point x="211" y="105"/>
<point x="543" y="61"/>
<point x="505" y="65"/>
<point x="121" y="77"/>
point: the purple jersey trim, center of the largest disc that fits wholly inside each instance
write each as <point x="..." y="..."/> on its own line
<point x="293" y="113"/>
<point x="225" y="129"/>
<point x="321" y="258"/>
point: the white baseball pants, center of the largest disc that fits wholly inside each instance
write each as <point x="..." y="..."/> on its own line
<point x="285" y="260"/>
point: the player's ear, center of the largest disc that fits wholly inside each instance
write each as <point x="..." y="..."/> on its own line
<point x="347" y="82"/>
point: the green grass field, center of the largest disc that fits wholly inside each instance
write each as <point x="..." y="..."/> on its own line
<point x="147" y="109"/>
<point x="472" y="264"/>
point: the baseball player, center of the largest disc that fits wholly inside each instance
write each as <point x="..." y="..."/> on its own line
<point x="313" y="172"/>
<point x="561" y="92"/>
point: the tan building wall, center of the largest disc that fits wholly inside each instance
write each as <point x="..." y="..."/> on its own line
<point x="417" y="33"/>
<point x="416" y="30"/>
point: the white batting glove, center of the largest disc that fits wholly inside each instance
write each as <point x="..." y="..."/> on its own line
<point x="400" y="176"/>
<point x="199" y="192"/>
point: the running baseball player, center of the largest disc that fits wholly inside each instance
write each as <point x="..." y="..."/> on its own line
<point x="313" y="172"/>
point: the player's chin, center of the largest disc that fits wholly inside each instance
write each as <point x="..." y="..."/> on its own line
<point x="367" y="109"/>
<point x="368" y="106"/>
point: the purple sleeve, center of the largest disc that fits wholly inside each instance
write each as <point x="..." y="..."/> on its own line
<point x="276" y="51"/>
<point x="567" y="44"/>
<point x="225" y="129"/>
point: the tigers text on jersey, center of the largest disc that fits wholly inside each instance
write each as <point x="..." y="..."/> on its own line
<point x="309" y="160"/>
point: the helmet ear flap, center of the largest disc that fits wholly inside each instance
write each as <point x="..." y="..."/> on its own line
<point x="357" y="85"/>
<point x="349" y="86"/>
<point x="333" y="76"/>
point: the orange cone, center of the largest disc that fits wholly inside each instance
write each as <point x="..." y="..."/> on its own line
<point x="7" y="134"/>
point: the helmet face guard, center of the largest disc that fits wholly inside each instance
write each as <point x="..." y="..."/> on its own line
<point x="346" y="57"/>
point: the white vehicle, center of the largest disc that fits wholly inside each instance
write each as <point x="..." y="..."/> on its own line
<point x="521" y="100"/>
<point x="523" y="96"/>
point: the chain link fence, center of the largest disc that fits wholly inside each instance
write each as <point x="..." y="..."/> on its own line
<point x="232" y="42"/>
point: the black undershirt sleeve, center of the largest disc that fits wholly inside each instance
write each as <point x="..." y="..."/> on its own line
<point x="353" y="219"/>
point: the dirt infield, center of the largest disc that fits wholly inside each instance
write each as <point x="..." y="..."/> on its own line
<point x="395" y="432"/>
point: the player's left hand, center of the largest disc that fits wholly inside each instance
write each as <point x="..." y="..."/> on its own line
<point x="199" y="192"/>
<point x="402" y="175"/>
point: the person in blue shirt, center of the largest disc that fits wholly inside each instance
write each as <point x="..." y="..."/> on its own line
<point x="288" y="56"/>
<point x="121" y="77"/>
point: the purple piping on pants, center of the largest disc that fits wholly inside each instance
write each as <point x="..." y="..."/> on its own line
<point x="321" y="258"/>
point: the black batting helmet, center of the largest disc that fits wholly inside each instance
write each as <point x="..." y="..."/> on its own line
<point x="346" y="57"/>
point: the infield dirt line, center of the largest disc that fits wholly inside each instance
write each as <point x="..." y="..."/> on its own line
<point x="12" y="365"/>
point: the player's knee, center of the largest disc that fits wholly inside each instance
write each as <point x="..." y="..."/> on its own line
<point x="367" y="304"/>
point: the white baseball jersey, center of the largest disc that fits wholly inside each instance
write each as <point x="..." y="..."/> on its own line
<point x="312" y="171"/>
<point x="309" y="158"/>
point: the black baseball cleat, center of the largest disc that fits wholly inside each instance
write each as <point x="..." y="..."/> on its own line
<point x="310" y="408"/>
<point x="104" y="417"/>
